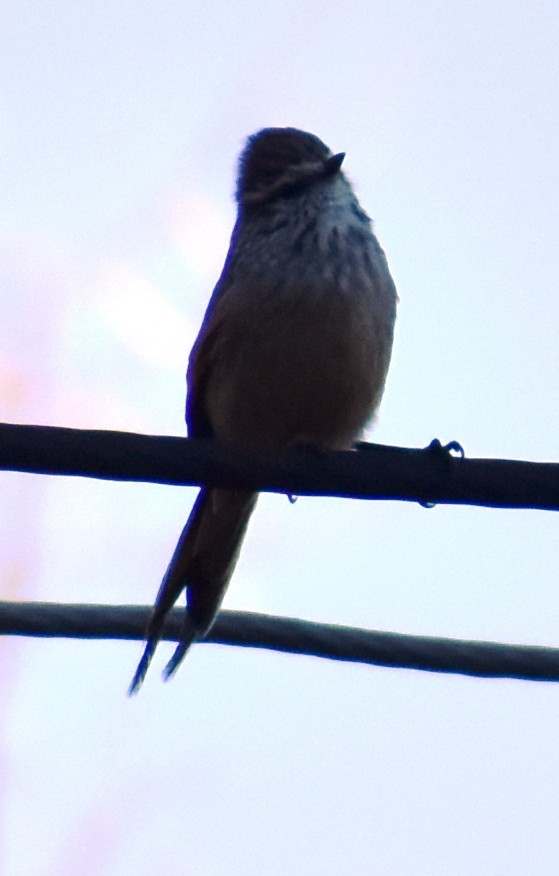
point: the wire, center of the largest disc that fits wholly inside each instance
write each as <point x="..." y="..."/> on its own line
<point x="429" y="476"/>
<point x="432" y="475"/>
<point x="291" y="635"/>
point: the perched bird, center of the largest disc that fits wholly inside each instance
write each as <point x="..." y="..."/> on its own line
<point x="293" y="350"/>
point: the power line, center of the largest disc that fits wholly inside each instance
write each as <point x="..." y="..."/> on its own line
<point x="429" y="476"/>
<point x="433" y="475"/>
<point x="290" y="635"/>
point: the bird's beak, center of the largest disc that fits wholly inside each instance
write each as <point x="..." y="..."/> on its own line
<point x="333" y="164"/>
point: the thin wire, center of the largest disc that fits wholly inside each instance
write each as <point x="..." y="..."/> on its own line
<point x="289" y="635"/>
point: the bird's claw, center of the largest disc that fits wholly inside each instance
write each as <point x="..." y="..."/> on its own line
<point x="446" y="450"/>
<point x="449" y="451"/>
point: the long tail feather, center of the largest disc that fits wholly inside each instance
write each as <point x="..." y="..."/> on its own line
<point x="203" y="562"/>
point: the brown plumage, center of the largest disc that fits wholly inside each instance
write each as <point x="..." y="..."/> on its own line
<point x="294" y="349"/>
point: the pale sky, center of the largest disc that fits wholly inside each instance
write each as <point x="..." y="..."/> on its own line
<point x="120" y="125"/>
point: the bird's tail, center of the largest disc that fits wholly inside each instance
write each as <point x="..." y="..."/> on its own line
<point x="203" y="562"/>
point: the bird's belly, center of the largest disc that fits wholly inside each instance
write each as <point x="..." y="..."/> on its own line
<point x="315" y="378"/>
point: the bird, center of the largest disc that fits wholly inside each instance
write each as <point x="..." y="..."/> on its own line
<point x="294" y="349"/>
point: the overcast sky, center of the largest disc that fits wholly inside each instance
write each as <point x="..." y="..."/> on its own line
<point x="120" y="125"/>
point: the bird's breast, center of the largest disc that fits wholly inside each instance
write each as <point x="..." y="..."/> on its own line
<point x="307" y="346"/>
